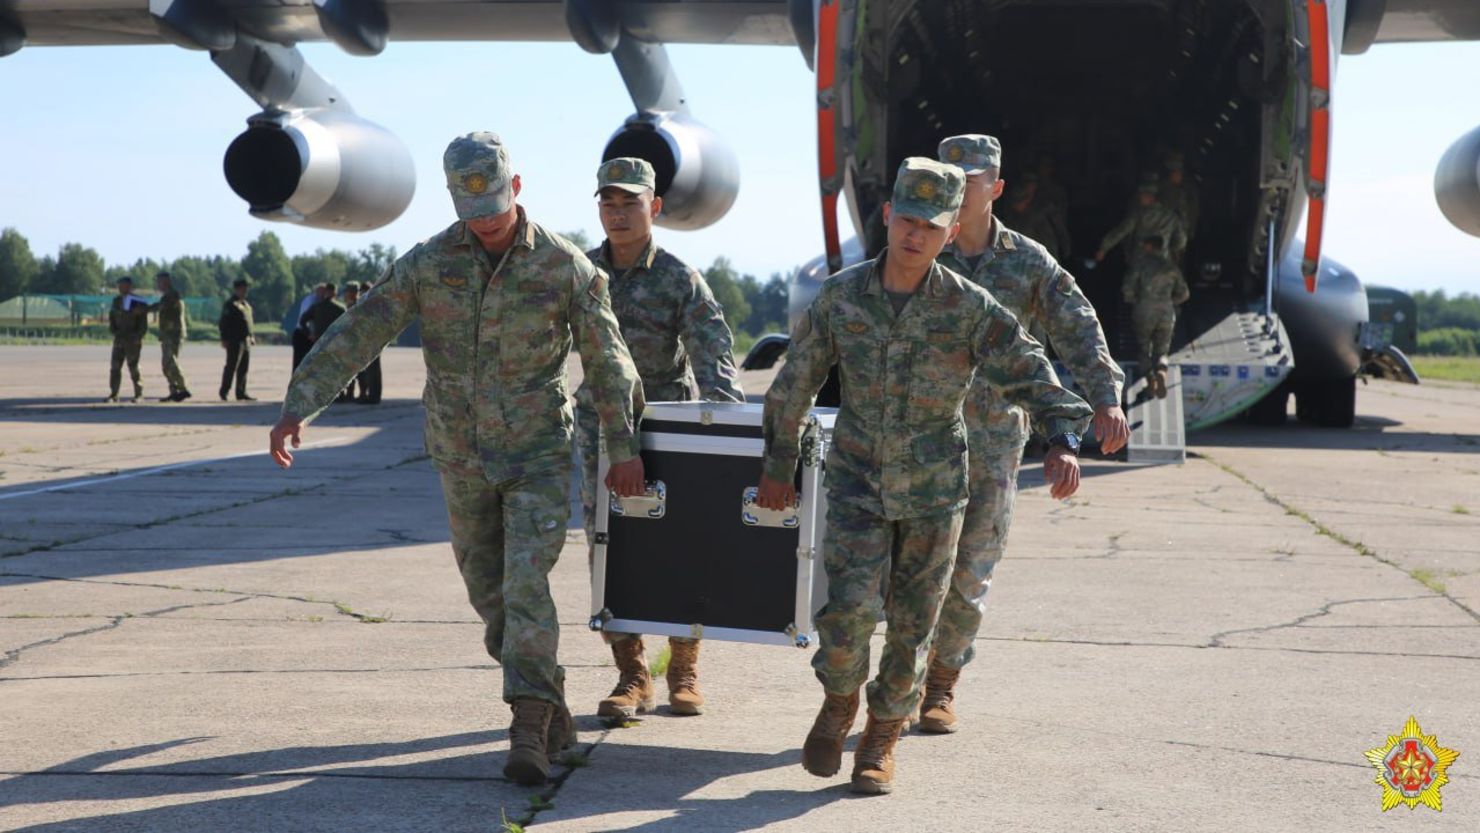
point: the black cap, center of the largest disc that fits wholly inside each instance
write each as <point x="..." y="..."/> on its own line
<point x="241" y="282"/>
<point x="125" y="279"/>
<point x="162" y="274"/>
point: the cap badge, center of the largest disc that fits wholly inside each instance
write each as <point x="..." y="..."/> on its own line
<point x="925" y="190"/>
<point x="475" y="183"/>
<point x="613" y="170"/>
<point x="955" y="153"/>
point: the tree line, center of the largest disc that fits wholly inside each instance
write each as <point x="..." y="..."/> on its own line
<point x="1448" y="326"/>
<point x="752" y="307"/>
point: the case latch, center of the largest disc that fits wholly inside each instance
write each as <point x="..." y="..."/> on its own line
<point x="752" y="514"/>
<point x="652" y="503"/>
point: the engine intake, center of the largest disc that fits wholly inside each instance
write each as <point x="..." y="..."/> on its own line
<point x="1457" y="183"/>
<point x="324" y="169"/>
<point x="698" y="175"/>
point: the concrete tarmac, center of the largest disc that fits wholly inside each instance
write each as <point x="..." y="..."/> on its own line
<point x="192" y="639"/>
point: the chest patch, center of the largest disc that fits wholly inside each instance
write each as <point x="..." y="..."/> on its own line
<point x="856" y="327"/>
<point x="454" y="281"/>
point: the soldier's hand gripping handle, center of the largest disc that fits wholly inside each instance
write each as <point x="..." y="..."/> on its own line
<point x="626" y="478"/>
<point x="1061" y="468"/>
<point x="288" y="427"/>
<point x="775" y="494"/>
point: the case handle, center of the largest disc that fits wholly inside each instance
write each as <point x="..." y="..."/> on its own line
<point x="751" y="514"/>
<point x="652" y="503"/>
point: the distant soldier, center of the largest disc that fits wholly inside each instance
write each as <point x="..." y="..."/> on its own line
<point x="682" y="347"/>
<point x="322" y="315"/>
<point x="235" y="325"/>
<point x="368" y="380"/>
<point x="1053" y="195"/>
<point x="1156" y="286"/>
<point x="501" y="300"/>
<point x="1148" y="218"/>
<point x="301" y="343"/>
<point x="1043" y="297"/>
<point x="1181" y="197"/>
<point x="908" y="335"/>
<point x="1033" y="218"/>
<point x="128" y="321"/>
<point x="171" y="334"/>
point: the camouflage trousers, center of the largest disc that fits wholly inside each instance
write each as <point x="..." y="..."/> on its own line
<point x="169" y="353"/>
<point x="1153" y="324"/>
<point x="860" y="548"/>
<point x="983" y="539"/>
<point x="124" y="350"/>
<point x="507" y="537"/>
<point x="588" y="443"/>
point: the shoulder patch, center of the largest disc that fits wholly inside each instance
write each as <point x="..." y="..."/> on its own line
<point x="596" y="288"/>
<point x="997" y="330"/>
<point x="803" y="328"/>
<point x="1064" y="283"/>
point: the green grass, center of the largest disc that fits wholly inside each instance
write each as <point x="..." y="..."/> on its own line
<point x="1448" y="368"/>
<point x="659" y="664"/>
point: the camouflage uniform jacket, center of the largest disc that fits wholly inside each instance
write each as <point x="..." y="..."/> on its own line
<point x="899" y="444"/>
<point x="1143" y="221"/>
<point x="171" y="315"/>
<point x="495" y="341"/>
<point x="235" y="322"/>
<point x="1155" y="280"/>
<point x="1182" y="200"/>
<point x="673" y="327"/>
<point x="1022" y="277"/>
<point x="132" y="325"/>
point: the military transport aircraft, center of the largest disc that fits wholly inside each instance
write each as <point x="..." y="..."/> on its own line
<point x="1242" y="87"/>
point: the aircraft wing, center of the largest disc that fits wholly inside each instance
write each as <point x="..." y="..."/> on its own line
<point x="1408" y="21"/>
<point x="98" y="22"/>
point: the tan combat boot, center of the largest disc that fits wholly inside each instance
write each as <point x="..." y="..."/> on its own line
<point x="634" y="692"/>
<point x="822" y="753"/>
<point x="936" y="715"/>
<point x="562" y="731"/>
<point x="528" y="763"/>
<point x="873" y="760"/>
<point x="683" y="678"/>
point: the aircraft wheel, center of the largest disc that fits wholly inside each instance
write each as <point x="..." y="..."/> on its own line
<point x="1271" y="409"/>
<point x="1339" y="404"/>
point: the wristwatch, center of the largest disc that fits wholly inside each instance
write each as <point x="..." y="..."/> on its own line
<point x="1067" y="440"/>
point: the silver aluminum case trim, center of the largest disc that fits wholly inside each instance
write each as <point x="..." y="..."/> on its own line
<point x="810" y="593"/>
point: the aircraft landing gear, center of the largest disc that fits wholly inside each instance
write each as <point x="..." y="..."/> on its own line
<point x="1328" y="404"/>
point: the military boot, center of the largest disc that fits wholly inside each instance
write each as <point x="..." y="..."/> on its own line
<point x="528" y="762"/>
<point x="634" y="692"/>
<point x="936" y="715"/>
<point x="873" y="760"/>
<point x="822" y="753"/>
<point x="562" y="731"/>
<point x="683" y="677"/>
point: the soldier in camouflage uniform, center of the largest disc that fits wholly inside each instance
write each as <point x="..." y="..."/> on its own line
<point x="1026" y="211"/>
<point x="682" y="347"/>
<point x="236" y="325"/>
<point x="128" y="321"/>
<point x="1156" y="287"/>
<point x="171" y="333"/>
<point x="1147" y="218"/>
<point x="908" y="336"/>
<point x="1181" y="197"/>
<point x="501" y="302"/>
<point x="1042" y="295"/>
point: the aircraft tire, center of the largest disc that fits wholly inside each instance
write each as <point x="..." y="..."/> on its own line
<point x="1339" y="405"/>
<point x="1270" y="410"/>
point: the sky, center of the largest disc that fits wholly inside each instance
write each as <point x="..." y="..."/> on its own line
<point x="120" y="148"/>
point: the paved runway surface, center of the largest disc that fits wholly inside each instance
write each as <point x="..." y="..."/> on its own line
<point x="191" y="639"/>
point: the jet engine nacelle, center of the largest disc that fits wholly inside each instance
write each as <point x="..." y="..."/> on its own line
<point x="698" y="175"/>
<point x="1457" y="183"/>
<point x="321" y="168"/>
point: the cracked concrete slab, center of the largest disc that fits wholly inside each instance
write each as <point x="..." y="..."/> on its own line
<point x="245" y="692"/>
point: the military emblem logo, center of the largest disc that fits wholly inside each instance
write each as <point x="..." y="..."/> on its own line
<point x="475" y="183"/>
<point x="1411" y="767"/>
<point x="925" y="190"/>
<point x="454" y="281"/>
<point x="613" y="170"/>
<point x="955" y="153"/>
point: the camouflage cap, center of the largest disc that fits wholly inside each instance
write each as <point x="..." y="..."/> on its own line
<point x="1150" y="183"/>
<point x="929" y="190"/>
<point x="1175" y="160"/>
<point x="972" y="152"/>
<point x="628" y="173"/>
<point x="478" y="175"/>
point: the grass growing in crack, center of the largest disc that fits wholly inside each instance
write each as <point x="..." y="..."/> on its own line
<point x="659" y="664"/>
<point x="1430" y="579"/>
<point x="540" y="803"/>
<point x="1459" y="510"/>
<point x="344" y="609"/>
<point x="574" y="760"/>
<point x="506" y="826"/>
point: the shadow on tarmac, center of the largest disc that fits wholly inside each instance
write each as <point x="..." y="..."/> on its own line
<point x="349" y="785"/>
